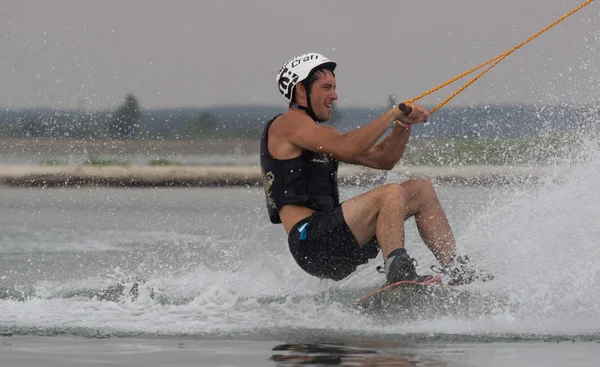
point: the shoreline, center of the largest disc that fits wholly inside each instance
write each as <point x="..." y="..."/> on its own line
<point x="227" y="176"/>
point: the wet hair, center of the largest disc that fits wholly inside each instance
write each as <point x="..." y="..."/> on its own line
<point x="311" y="79"/>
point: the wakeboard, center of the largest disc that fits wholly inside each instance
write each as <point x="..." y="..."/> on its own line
<point x="406" y="297"/>
<point x="427" y="300"/>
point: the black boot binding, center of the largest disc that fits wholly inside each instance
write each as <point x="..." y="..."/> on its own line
<point x="400" y="267"/>
<point x="462" y="272"/>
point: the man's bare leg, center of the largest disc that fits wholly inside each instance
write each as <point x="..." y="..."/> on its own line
<point x="423" y="203"/>
<point x="382" y="212"/>
<point x="379" y="212"/>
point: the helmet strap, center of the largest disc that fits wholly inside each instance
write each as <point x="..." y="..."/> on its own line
<point x="308" y="109"/>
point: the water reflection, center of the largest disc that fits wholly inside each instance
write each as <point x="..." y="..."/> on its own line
<point x="369" y="353"/>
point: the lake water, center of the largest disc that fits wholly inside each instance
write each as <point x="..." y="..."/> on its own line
<point x="217" y="285"/>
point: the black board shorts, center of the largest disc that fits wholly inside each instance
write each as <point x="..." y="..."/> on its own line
<point x="324" y="246"/>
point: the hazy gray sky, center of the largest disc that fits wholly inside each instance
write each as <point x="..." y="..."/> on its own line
<point x="61" y="53"/>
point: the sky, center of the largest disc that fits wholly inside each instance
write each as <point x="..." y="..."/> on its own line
<point x="200" y="53"/>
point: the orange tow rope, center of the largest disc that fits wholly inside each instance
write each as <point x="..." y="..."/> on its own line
<point x="495" y="61"/>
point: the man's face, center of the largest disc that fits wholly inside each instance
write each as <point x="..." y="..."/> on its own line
<point x="322" y="95"/>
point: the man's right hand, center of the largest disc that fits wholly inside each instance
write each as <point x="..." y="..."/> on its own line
<point x="417" y="115"/>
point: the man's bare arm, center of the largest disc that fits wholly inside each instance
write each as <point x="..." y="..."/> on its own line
<point x="300" y="130"/>
<point x="387" y="153"/>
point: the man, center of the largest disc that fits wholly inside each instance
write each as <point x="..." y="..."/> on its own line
<point x="299" y="161"/>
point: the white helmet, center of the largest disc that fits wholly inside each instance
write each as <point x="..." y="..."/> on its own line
<point x="297" y="69"/>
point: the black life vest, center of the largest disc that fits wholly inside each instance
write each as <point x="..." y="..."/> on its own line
<point x="309" y="180"/>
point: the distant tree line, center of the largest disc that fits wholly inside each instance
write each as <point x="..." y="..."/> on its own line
<point x="125" y="122"/>
<point x="129" y="121"/>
